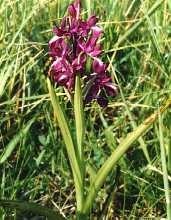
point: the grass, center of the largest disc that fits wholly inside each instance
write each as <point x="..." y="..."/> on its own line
<point x="35" y="168"/>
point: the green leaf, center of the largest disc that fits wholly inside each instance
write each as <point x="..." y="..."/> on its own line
<point x="79" y="123"/>
<point x="39" y="158"/>
<point x="42" y="139"/>
<point x="16" y="139"/>
<point x="76" y="170"/>
<point x="117" y="154"/>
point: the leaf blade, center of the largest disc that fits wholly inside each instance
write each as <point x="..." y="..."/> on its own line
<point x="117" y="154"/>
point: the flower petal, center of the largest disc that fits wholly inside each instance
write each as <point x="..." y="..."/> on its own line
<point x="92" y="93"/>
<point x="72" y="11"/>
<point x="111" y="89"/>
<point x="96" y="31"/>
<point x="92" y="21"/>
<point x="98" y="66"/>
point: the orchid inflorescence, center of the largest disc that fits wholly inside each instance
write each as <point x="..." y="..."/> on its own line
<point x="74" y="45"/>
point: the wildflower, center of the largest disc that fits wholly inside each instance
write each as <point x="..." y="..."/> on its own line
<point x="101" y="84"/>
<point x="91" y="47"/>
<point x="75" y="43"/>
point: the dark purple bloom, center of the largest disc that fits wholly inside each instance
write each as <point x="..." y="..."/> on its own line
<point x="75" y="40"/>
<point x="79" y="62"/>
<point x="62" y="72"/>
<point x="58" y="47"/>
<point x="101" y="84"/>
<point x="91" y="47"/>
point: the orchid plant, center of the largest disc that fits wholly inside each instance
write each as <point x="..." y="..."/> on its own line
<point x="77" y="66"/>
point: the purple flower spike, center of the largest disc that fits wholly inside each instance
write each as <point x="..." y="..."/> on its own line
<point x="76" y="44"/>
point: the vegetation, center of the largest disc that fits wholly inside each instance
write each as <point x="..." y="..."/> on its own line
<point x="34" y="161"/>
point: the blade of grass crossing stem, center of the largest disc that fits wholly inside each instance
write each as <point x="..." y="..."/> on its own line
<point x="31" y="207"/>
<point x="13" y="143"/>
<point x="117" y="154"/>
<point x="164" y="168"/>
<point x="78" y="111"/>
<point x="69" y="145"/>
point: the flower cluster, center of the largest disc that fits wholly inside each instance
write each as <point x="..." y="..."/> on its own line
<point x="75" y="43"/>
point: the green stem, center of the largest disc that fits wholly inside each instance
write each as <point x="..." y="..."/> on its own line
<point x="78" y="111"/>
<point x="79" y="122"/>
<point x="117" y="154"/>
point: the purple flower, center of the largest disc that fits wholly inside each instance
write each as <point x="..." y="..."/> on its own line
<point x="101" y="84"/>
<point x="76" y="42"/>
<point x="91" y="47"/>
<point x="62" y="72"/>
<point x="58" y="47"/>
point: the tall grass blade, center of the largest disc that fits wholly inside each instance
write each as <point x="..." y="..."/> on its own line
<point x="4" y="76"/>
<point x="88" y="4"/>
<point x="135" y="26"/>
<point x="164" y="168"/>
<point x="13" y="143"/>
<point x="133" y="123"/>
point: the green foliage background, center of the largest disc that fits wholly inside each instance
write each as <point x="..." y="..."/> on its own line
<point x="36" y="168"/>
